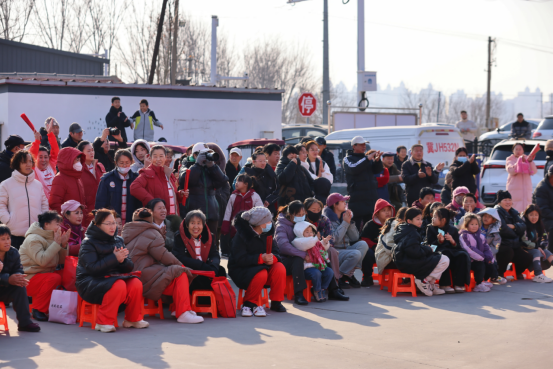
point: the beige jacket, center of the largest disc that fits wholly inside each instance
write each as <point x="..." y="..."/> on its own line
<point x="39" y="252"/>
<point x="382" y="253"/>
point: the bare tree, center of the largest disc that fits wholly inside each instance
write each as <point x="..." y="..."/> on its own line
<point x="14" y="18"/>
<point x="51" y="19"/>
<point x="77" y="31"/>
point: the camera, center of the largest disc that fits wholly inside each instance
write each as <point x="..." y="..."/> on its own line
<point x="114" y="131"/>
<point x="212" y="156"/>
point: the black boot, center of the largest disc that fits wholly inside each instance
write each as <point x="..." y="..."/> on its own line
<point x="299" y="299"/>
<point x="367" y="282"/>
<point x="40" y="316"/>
<point x="278" y="307"/>
<point x="342" y="284"/>
<point x="352" y="281"/>
<point x="338" y="295"/>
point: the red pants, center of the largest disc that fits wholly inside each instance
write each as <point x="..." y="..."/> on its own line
<point x="128" y="291"/>
<point x="40" y="288"/>
<point x="275" y="278"/>
<point x="181" y="296"/>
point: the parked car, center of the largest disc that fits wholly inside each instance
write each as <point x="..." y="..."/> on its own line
<point x="494" y="175"/>
<point x="544" y="130"/>
<point x="293" y="133"/>
<point x="488" y="140"/>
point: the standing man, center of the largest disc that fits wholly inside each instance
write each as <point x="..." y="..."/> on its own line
<point x="521" y="128"/>
<point x="361" y="169"/>
<point x="326" y="155"/>
<point x="233" y="165"/>
<point x="272" y="152"/>
<point x="117" y="119"/>
<point x="400" y="157"/>
<point x="75" y="136"/>
<point x="468" y="129"/>
<point x="397" y="196"/>
<point x="417" y="173"/>
<point x="13" y="144"/>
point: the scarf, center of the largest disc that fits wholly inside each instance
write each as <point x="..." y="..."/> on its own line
<point x="318" y="254"/>
<point x="77" y="233"/>
<point x="454" y="205"/>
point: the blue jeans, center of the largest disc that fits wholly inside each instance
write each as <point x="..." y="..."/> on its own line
<point x="319" y="279"/>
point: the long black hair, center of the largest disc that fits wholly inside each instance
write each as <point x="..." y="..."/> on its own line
<point x="537" y="228"/>
<point x="444" y="213"/>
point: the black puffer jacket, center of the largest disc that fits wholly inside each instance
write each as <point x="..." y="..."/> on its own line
<point x="98" y="267"/>
<point x="246" y="248"/>
<point x="447" y="248"/>
<point x="12" y="265"/>
<point x="265" y="182"/>
<point x="548" y="162"/>
<point x="203" y="183"/>
<point x="543" y="197"/>
<point x="361" y="180"/>
<point x="413" y="183"/>
<point x="511" y="237"/>
<point x="521" y="130"/>
<point x="5" y="170"/>
<point x="120" y="122"/>
<point x="410" y="255"/>
<point x="463" y="174"/>
<point x="328" y="158"/>
<point x="182" y="253"/>
<point x="295" y="181"/>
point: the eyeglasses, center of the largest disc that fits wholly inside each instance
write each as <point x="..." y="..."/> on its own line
<point x="110" y="224"/>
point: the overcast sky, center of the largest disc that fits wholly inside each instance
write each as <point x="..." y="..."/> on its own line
<point x="443" y="42"/>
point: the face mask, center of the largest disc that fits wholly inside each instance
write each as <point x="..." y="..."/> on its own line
<point x="78" y="166"/>
<point x="313" y="216"/>
<point x="462" y="159"/>
<point x="123" y="170"/>
<point x="299" y="219"/>
<point x="269" y="226"/>
<point x="191" y="159"/>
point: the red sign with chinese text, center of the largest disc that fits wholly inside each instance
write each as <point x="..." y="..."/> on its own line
<point x="307" y="103"/>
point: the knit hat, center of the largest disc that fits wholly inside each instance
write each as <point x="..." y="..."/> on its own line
<point x="70" y="205"/>
<point x="426" y="191"/>
<point x="13" y="141"/>
<point x="143" y="214"/>
<point x="257" y="215"/>
<point x="300" y="227"/>
<point x="501" y="195"/>
<point x="461" y="190"/>
<point x="289" y="150"/>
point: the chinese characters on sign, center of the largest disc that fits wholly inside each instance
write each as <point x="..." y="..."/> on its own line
<point x="307" y="104"/>
<point x="432" y="147"/>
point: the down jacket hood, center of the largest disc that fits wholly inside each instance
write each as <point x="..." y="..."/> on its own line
<point x="36" y="229"/>
<point x="66" y="157"/>
<point x="304" y="243"/>
<point x="134" y="229"/>
<point x="490" y="211"/>
<point x="133" y="148"/>
<point x="381" y="204"/>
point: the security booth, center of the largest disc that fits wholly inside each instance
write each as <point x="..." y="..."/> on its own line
<point x="248" y="146"/>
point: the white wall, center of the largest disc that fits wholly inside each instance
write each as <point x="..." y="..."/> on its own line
<point x="186" y="120"/>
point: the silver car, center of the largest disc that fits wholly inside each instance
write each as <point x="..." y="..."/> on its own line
<point x="489" y="139"/>
<point x="544" y="130"/>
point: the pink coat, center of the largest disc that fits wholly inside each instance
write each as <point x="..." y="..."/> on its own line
<point x="519" y="183"/>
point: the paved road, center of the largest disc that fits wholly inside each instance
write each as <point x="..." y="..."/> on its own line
<point x="508" y="327"/>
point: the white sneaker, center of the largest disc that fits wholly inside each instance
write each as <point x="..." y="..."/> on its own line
<point x="499" y="280"/>
<point x="488" y="284"/>
<point x="259" y="312"/>
<point x="542" y="278"/>
<point x="423" y="287"/>
<point x="447" y="289"/>
<point x="436" y="290"/>
<point x="190" y="317"/>
<point x="459" y="289"/>
<point x="138" y="325"/>
<point x="174" y="313"/>
<point x="246" y="312"/>
<point x="481" y="288"/>
<point x="105" y="328"/>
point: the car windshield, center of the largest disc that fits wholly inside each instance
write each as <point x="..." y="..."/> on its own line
<point x="546" y="124"/>
<point x="504" y="151"/>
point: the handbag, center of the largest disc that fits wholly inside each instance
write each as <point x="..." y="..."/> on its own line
<point x="63" y="307"/>
<point x="225" y="296"/>
<point x="69" y="276"/>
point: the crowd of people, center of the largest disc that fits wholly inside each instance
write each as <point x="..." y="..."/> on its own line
<point x="142" y="224"/>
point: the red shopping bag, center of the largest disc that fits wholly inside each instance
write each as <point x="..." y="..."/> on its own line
<point x="69" y="276"/>
<point x="225" y="296"/>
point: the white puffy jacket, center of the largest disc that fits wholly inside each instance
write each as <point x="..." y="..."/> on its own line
<point x="22" y="199"/>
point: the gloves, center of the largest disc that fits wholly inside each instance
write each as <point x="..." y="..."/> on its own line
<point x="209" y="163"/>
<point x="201" y="159"/>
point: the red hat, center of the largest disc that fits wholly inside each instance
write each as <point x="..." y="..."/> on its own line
<point x="334" y="198"/>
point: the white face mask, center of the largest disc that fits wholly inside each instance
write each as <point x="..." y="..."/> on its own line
<point x="78" y="166"/>
<point x="123" y="170"/>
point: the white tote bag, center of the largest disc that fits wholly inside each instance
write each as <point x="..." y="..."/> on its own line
<point x="63" y="307"/>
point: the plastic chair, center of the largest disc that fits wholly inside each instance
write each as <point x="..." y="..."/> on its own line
<point x="398" y="287"/>
<point x="151" y="309"/>
<point x="376" y="276"/>
<point x="211" y="308"/>
<point x="512" y="272"/>
<point x="529" y="274"/>
<point x="472" y="284"/>
<point x="262" y="300"/>
<point x="88" y="313"/>
<point x="386" y="279"/>
<point x="289" y="291"/>
<point x="4" y="317"/>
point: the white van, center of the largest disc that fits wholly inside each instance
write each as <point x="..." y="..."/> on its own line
<point x="438" y="140"/>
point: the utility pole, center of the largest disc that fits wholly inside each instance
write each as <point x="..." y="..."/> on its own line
<point x="439" y="100"/>
<point x="174" y="48"/>
<point x="326" y="77"/>
<point x="488" y="97"/>
<point x="156" y="46"/>
<point x="360" y="42"/>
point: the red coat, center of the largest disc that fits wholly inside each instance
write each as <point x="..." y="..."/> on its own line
<point x="67" y="184"/>
<point x="152" y="184"/>
<point x="91" y="183"/>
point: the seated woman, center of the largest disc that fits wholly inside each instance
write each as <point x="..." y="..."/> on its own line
<point x="162" y="273"/>
<point x="414" y="257"/>
<point x="251" y="267"/>
<point x="72" y="212"/>
<point x="103" y="275"/>
<point x="512" y="230"/>
<point x="13" y="282"/>
<point x="40" y="255"/>
<point x="446" y="237"/>
<point x="383" y="251"/>
<point x="159" y="211"/>
<point x="195" y="249"/>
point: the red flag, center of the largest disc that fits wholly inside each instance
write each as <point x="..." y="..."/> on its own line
<point x="186" y="176"/>
<point x="31" y="126"/>
<point x="533" y="153"/>
<point x="269" y="245"/>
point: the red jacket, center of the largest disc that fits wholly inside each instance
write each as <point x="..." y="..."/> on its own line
<point x="152" y="184"/>
<point x="91" y="184"/>
<point x="67" y="184"/>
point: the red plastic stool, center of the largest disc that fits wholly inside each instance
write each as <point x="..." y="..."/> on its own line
<point x="376" y="276"/>
<point x="4" y="317"/>
<point x="149" y="308"/>
<point x="472" y="284"/>
<point x="529" y="274"/>
<point x="397" y="287"/>
<point x="211" y="308"/>
<point x="512" y="272"/>
<point x="386" y="279"/>
<point x="262" y="300"/>
<point x="88" y="313"/>
<point x="289" y="291"/>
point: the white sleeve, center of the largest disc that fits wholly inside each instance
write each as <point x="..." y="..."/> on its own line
<point x="257" y="200"/>
<point x="327" y="174"/>
<point x="228" y="210"/>
<point x="4" y="212"/>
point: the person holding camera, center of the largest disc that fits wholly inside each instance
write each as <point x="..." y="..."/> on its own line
<point x="205" y="177"/>
<point x="102" y="151"/>
<point x="117" y="119"/>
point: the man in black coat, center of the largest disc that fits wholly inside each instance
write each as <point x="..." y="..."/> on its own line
<point x="521" y="128"/>
<point x="400" y="157"/>
<point x="295" y="181"/>
<point x="463" y="169"/>
<point x="13" y="144"/>
<point x="117" y="119"/>
<point x="75" y="136"/>
<point x="418" y="173"/>
<point x="265" y="181"/>
<point x="326" y="155"/>
<point x="360" y="172"/>
<point x="232" y="168"/>
<point x="543" y="197"/>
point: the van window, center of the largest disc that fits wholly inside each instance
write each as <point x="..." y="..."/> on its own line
<point x="504" y="151"/>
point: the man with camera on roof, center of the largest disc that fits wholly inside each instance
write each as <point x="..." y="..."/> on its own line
<point x="118" y="121"/>
<point x="204" y="179"/>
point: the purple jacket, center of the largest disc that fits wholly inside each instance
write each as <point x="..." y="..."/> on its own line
<point x="476" y="253"/>
<point x="284" y="234"/>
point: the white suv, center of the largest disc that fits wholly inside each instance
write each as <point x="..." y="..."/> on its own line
<point x="544" y="130"/>
<point x="494" y="175"/>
